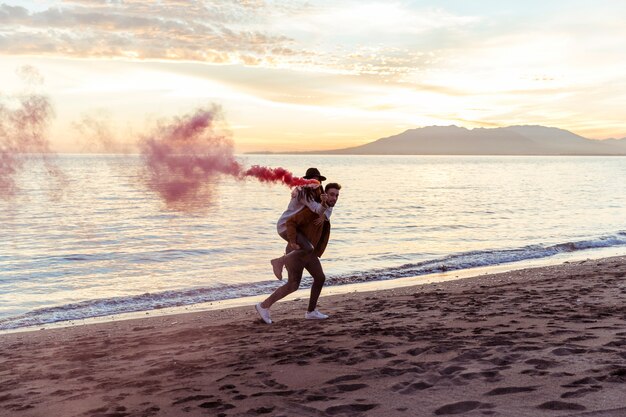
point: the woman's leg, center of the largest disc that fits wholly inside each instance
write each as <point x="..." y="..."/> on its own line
<point x="292" y="284"/>
<point x="279" y="263"/>
<point x="306" y="249"/>
<point x="300" y="255"/>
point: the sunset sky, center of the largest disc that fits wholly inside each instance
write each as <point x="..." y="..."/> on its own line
<point x="305" y="75"/>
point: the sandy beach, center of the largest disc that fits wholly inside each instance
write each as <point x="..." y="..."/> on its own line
<point x="545" y="341"/>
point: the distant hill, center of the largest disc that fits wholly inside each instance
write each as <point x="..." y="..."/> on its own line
<point x="512" y="140"/>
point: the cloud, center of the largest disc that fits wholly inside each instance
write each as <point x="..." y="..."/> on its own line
<point x="386" y="39"/>
<point x="142" y="30"/>
<point x="382" y="39"/>
<point x="382" y="20"/>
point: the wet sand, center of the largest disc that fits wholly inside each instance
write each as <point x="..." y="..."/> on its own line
<point x="545" y="341"/>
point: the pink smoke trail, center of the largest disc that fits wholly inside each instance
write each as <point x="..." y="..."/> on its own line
<point x="276" y="175"/>
<point x="23" y="126"/>
<point x="183" y="158"/>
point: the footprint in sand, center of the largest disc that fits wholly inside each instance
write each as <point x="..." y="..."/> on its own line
<point x="579" y="393"/>
<point x="617" y="343"/>
<point x="568" y="351"/>
<point x="461" y="407"/>
<point x="584" y="381"/>
<point x="542" y="363"/>
<point x="510" y="390"/>
<point x="450" y="370"/>
<point x="418" y="351"/>
<point x="617" y="376"/>
<point x="350" y="387"/>
<point x="149" y="412"/>
<point x="261" y="410"/>
<point x="344" y="388"/>
<point x="380" y="354"/>
<point x="317" y="397"/>
<point x="217" y="405"/>
<point x="561" y="406"/>
<point x="192" y="398"/>
<point x="281" y="393"/>
<point x="407" y="388"/>
<point x="471" y="355"/>
<point x="350" y="408"/>
<point x="343" y="379"/>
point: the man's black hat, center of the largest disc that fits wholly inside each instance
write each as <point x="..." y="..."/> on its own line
<point x="312" y="173"/>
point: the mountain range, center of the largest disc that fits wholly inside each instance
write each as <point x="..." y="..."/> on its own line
<point x="512" y="140"/>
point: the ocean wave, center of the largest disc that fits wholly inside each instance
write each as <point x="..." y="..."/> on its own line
<point x="476" y="259"/>
<point x="128" y="304"/>
<point x="153" y="301"/>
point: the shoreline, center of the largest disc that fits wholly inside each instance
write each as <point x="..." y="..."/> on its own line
<point x="329" y="290"/>
<point x="544" y="341"/>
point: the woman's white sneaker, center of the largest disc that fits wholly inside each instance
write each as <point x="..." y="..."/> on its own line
<point x="315" y="315"/>
<point x="264" y="313"/>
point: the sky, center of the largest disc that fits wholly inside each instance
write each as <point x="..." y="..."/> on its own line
<point x="314" y="75"/>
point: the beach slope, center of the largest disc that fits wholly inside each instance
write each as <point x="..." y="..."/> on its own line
<point x="536" y="342"/>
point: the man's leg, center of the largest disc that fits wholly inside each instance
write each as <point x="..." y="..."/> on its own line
<point x="293" y="282"/>
<point x="315" y="269"/>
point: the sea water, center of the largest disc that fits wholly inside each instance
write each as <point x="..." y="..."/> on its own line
<point x="99" y="243"/>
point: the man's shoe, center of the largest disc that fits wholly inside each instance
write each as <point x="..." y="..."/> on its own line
<point x="264" y="313"/>
<point x="315" y="315"/>
<point x="277" y="266"/>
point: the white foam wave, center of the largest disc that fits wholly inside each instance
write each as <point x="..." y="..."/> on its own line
<point x="152" y="301"/>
